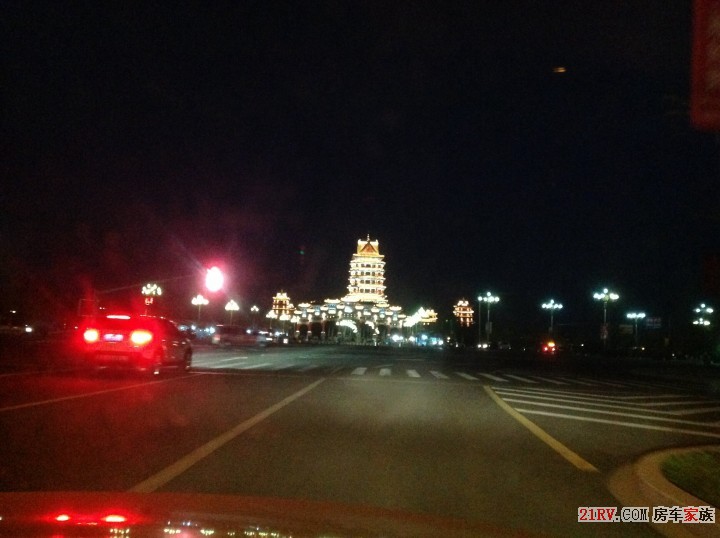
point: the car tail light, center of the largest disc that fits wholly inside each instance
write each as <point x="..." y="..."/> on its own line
<point x="91" y="335"/>
<point x="141" y="337"/>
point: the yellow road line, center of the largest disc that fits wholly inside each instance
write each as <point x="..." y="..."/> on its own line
<point x="541" y="434"/>
<point x="174" y="470"/>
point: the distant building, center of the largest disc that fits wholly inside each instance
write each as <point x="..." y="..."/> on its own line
<point x="463" y="313"/>
<point x="363" y="314"/>
<point x="367" y="274"/>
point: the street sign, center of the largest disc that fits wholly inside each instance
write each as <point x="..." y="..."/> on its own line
<point x="705" y="90"/>
<point x="653" y="323"/>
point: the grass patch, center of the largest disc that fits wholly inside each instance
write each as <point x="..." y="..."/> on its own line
<point x="698" y="473"/>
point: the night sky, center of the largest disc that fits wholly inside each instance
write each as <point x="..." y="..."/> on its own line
<point x="144" y="140"/>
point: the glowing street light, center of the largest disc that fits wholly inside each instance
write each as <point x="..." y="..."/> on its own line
<point x="254" y="310"/>
<point x="700" y="310"/>
<point x="605" y="296"/>
<point x="636" y="316"/>
<point x="551" y="305"/>
<point x="232" y="307"/>
<point x="199" y="301"/>
<point x="488" y="299"/>
<point x="214" y="279"/>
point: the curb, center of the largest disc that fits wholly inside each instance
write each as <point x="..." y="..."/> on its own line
<point x="644" y="484"/>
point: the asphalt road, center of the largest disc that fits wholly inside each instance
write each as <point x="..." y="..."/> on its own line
<point x="515" y="441"/>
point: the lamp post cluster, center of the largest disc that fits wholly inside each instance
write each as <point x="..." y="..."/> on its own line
<point x="605" y="296"/>
<point x="488" y="299"/>
<point x="551" y="305"/>
<point x="702" y="312"/>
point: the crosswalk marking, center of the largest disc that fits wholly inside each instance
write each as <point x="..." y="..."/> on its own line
<point x="255" y="366"/>
<point x="498" y="378"/>
<point x="603" y="382"/>
<point x="493" y="377"/>
<point x="518" y="378"/>
<point x="553" y="381"/>
<point x="577" y="381"/>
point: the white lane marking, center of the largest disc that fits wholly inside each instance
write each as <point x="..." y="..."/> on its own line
<point x="518" y="378"/>
<point x="493" y="377"/>
<point x="593" y="396"/>
<point x="439" y="375"/>
<point x="174" y="470"/>
<point x="609" y="406"/>
<point x="573" y="380"/>
<point x="553" y="381"/>
<point x="466" y="376"/>
<point x="618" y="423"/>
<point x="412" y="373"/>
<point x="614" y="413"/>
<point x="667" y="404"/>
<point x="90" y="394"/>
<point x="255" y="366"/>
<point x="609" y="383"/>
<point x="697" y="411"/>
<point x="385" y="371"/>
<point x="359" y="371"/>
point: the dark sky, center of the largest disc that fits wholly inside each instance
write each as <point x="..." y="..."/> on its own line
<point x="143" y="140"/>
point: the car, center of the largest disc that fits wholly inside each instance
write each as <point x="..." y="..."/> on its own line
<point x="136" y="342"/>
<point x="548" y="347"/>
<point x="234" y="335"/>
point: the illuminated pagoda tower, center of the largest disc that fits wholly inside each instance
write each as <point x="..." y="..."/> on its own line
<point x="463" y="313"/>
<point x="367" y="274"/>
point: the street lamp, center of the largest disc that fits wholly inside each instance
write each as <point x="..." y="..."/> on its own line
<point x="552" y="306"/>
<point x="271" y="315"/>
<point x="488" y="299"/>
<point x="635" y="316"/>
<point x="703" y="309"/>
<point x="253" y="312"/>
<point x="480" y="320"/>
<point x="232" y="307"/>
<point x="199" y="301"/>
<point x="605" y="296"/>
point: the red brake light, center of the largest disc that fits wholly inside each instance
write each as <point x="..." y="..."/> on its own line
<point x="141" y="337"/>
<point x="91" y="335"/>
<point x="114" y="518"/>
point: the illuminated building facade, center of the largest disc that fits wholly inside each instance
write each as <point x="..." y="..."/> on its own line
<point x="282" y="305"/>
<point x="463" y="313"/>
<point x="367" y="274"/>
<point x="362" y="315"/>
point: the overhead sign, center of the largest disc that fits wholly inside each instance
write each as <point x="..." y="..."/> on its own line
<point x="705" y="90"/>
